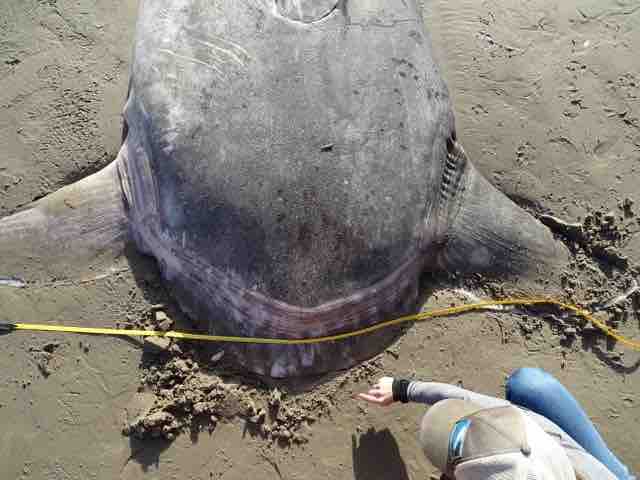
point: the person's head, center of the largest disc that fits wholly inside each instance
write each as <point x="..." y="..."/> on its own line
<point x="467" y="442"/>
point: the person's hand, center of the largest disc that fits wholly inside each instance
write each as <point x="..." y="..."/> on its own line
<point x="381" y="393"/>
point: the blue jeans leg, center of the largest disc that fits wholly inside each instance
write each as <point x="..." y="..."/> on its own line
<point x="540" y="392"/>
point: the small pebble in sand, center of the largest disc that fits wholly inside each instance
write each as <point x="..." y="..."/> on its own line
<point x="259" y="417"/>
<point x="156" y="345"/>
<point x="163" y="321"/>
<point x="609" y="217"/>
<point x="216" y="357"/>
<point x="166" y="325"/>
<point x="275" y="398"/>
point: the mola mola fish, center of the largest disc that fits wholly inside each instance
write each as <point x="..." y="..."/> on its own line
<point x="293" y="166"/>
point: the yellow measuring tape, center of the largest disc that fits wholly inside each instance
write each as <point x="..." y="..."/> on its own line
<point x="443" y="312"/>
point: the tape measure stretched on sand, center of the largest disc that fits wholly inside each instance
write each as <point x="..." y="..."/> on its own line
<point x="443" y="312"/>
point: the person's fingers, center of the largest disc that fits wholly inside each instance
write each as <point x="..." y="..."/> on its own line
<point x="376" y="399"/>
<point x="371" y="398"/>
<point x="374" y="393"/>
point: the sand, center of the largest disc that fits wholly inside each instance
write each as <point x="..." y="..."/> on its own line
<point x="547" y="99"/>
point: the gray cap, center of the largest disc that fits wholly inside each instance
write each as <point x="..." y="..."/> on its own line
<point x="467" y="441"/>
<point x="436" y="427"/>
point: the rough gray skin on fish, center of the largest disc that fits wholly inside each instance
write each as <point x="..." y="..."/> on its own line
<point x="293" y="166"/>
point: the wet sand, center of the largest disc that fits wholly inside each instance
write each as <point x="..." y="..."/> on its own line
<point x="547" y="101"/>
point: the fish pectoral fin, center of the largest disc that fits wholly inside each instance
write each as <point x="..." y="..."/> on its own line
<point x="63" y="231"/>
<point x="484" y="229"/>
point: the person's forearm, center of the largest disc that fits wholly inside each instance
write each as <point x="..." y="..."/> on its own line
<point x="432" y="392"/>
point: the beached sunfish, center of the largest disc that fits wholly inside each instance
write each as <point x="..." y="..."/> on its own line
<point x="293" y="166"/>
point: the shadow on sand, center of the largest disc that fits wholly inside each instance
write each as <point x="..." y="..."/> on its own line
<point x="376" y="456"/>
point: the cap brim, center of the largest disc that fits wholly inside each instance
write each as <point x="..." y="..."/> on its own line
<point x="436" y="427"/>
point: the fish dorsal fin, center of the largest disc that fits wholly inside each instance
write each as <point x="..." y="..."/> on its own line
<point x="306" y="11"/>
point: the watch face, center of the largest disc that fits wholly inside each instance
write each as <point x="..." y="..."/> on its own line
<point x="456" y="440"/>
